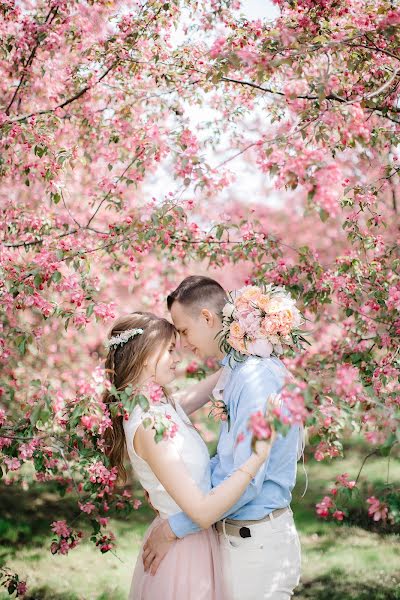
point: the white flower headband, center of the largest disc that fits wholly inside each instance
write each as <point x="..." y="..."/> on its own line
<point x="123" y="337"/>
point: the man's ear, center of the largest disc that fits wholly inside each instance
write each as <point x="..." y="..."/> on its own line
<point x="208" y="316"/>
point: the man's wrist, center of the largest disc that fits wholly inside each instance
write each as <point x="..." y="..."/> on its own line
<point x="169" y="534"/>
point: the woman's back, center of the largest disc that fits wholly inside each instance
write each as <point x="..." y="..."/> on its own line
<point x="190" y="446"/>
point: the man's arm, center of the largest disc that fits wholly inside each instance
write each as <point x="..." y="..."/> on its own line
<point x="197" y="395"/>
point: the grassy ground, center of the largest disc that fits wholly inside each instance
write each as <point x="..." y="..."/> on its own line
<point x="340" y="562"/>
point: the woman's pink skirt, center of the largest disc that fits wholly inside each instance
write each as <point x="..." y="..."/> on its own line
<point x="191" y="570"/>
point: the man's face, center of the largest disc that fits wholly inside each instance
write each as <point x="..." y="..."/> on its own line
<point x="197" y="329"/>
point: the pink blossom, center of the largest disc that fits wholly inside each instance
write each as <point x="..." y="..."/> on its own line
<point x="344" y="481"/>
<point x="259" y="426"/>
<point x="393" y="301"/>
<point x="61" y="528"/>
<point x="13" y="464"/>
<point x="105" y="311"/>
<point x="377" y="509"/>
<point x="338" y="515"/>
<point x="21" y="588"/>
<point x="192" y="367"/>
<point x="323" y="507"/>
<point x="88" y="507"/>
<point x="89" y="421"/>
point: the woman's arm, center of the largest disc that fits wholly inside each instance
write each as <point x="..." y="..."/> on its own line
<point x="167" y="465"/>
<point x="195" y="396"/>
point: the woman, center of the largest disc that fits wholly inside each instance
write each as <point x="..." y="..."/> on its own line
<point x="175" y="471"/>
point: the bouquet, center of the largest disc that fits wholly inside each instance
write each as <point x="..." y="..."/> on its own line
<point x="261" y="321"/>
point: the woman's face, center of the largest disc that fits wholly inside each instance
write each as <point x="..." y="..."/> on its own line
<point x="164" y="364"/>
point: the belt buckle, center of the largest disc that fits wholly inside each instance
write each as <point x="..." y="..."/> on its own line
<point x="244" y="532"/>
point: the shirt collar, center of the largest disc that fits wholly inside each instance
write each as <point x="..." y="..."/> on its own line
<point x="224" y="360"/>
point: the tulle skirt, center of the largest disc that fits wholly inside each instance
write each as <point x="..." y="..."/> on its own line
<point x="191" y="570"/>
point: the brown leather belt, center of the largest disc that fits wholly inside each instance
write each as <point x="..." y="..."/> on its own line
<point x="242" y="528"/>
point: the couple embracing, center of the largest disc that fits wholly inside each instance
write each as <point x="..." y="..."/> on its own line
<point x="224" y="529"/>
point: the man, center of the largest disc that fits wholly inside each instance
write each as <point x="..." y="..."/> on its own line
<point x="259" y="542"/>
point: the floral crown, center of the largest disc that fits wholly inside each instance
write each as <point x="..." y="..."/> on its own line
<point x="123" y="337"/>
<point x="260" y="321"/>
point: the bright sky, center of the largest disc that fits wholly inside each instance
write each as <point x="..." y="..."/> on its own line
<point x="260" y="9"/>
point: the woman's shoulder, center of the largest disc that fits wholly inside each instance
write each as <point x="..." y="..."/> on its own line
<point x="139" y="413"/>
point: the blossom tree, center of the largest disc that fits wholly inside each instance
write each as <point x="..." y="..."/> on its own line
<point x="97" y="105"/>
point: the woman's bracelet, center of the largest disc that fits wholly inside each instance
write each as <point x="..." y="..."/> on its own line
<point x="247" y="472"/>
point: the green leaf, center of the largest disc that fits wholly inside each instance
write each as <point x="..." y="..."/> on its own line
<point x="142" y="401"/>
<point x="56" y="277"/>
<point x="95" y="525"/>
<point x="147" y="422"/>
<point x="323" y="215"/>
<point x="388" y="445"/>
<point x="56" y="197"/>
<point x="40" y="151"/>
<point x="37" y="279"/>
<point x="219" y="232"/>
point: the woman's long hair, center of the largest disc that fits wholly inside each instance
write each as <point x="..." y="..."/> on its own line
<point x="124" y="364"/>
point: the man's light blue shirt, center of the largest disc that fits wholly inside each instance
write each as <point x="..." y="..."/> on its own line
<point x="246" y="391"/>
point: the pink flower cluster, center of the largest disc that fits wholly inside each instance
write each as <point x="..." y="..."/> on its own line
<point x="105" y="542"/>
<point x="393" y="301"/>
<point x="106" y="478"/>
<point x="377" y="510"/>
<point x="170" y="431"/>
<point x="67" y="539"/>
<point x="155" y="393"/>
<point x="326" y="507"/>
<point x="348" y="383"/>
<point x="260" y="321"/>
<point x="12" y="583"/>
<point x="192" y="367"/>
<point x="259" y="426"/>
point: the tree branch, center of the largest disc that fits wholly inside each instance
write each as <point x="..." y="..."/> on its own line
<point x="30" y="61"/>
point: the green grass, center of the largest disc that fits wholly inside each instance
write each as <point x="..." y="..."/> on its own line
<point x="340" y="561"/>
<point x="346" y="561"/>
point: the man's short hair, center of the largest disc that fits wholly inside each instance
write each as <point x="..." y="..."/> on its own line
<point x="200" y="291"/>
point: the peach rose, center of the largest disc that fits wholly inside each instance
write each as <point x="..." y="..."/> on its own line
<point x="235" y="330"/>
<point x="237" y="344"/>
<point x="251" y="292"/>
<point x="270" y="325"/>
<point x="263" y="302"/>
<point x="242" y="304"/>
<point x="274" y="306"/>
<point x="287" y="315"/>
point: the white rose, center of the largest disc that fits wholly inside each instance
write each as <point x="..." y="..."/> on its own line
<point x="228" y="309"/>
